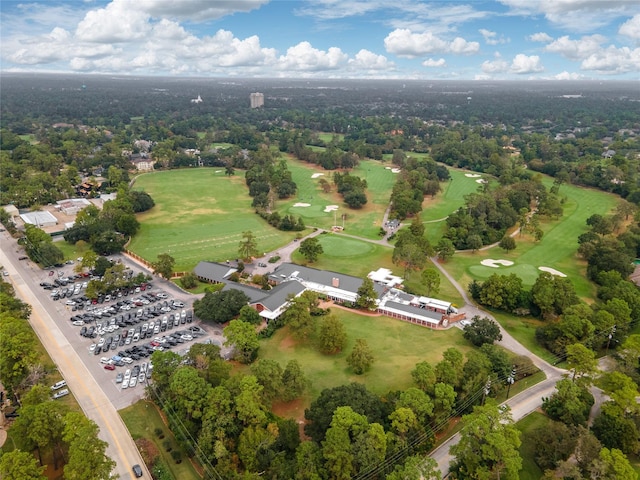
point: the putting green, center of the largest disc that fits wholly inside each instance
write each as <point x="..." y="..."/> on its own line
<point x="336" y="246"/>
<point x="528" y="273"/>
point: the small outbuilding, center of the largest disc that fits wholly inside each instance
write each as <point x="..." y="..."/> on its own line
<point x="39" y="218"/>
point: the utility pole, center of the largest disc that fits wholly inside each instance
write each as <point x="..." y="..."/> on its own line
<point x="511" y="379"/>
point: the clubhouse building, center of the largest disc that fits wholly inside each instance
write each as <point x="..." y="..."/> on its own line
<point x="290" y="280"/>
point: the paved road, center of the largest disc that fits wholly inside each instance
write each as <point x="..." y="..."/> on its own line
<point x="87" y="391"/>
<point x="522" y="404"/>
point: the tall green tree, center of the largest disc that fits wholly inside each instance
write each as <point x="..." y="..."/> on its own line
<point x="332" y="336"/>
<point x="482" y="330"/>
<point x="19" y="465"/>
<point x="582" y="361"/>
<point x="569" y="404"/>
<point x="430" y="279"/>
<point x="220" y="306"/>
<point x="361" y="357"/>
<point x="294" y="381"/>
<point x="87" y="453"/>
<point x="445" y="249"/>
<point x="269" y="375"/>
<point x="243" y="337"/>
<point x="311" y="249"/>
<point x="424" y="376"/>
<point x="416" y="468"/>
<point x="248" y="246"/>
<point x="163" y="266"/>
<point x="488" y="446"/>
<point x="367" y="296"/>
<point x="612" y="465"/>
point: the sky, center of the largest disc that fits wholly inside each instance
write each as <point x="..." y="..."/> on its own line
<point x="381" y="39"/>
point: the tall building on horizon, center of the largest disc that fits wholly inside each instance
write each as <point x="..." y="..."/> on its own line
<point x="257" y="100"/>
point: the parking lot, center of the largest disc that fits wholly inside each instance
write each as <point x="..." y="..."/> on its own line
<point x="115" y="334"/>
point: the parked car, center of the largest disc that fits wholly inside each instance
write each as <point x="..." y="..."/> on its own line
<point x="109" y="366"/>
<point x="59" y="385"/>
<point x="60" y="393"/>
<point x="119" y="378"/>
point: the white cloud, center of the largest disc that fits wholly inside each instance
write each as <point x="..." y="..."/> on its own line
<point x="367" y="60"/>
<point x="491" y="38"/>
<point x="117" y="22"/>
<point x="433" y="63"/>
<point x="540" y="37"/>
<point x="613" y="60"/>
<point x="196" y="10"/>
<point x="576" y="49"/>
<point x="404" y="43"/>
<point x="522" y="64"/>
<point x="568" y="76"/>
<point x="303" y="57"/>
<point x="499" y="65"/>
<point x="631" y="28"/>
<point x="576" y="15"/>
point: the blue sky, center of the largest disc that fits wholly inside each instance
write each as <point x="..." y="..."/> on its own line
<point x="405" y="39"/>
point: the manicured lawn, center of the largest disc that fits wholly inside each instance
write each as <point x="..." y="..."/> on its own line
<point x="142" y="418"/>
<point x="348" y="255"/>
<point x="397" y="347"/>
<point x="556" y="250"/>
<point x="436" y="210"/>
<point x="200" y="214"/>
<point x="326" y="137"/>
<point x="530" y="470"/>
<point x="364" y="222"/>
<point x="523" y="329"/>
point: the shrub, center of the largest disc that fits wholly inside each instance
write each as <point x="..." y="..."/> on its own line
<point x="167" y="445"/>
<point x="274" y="259"/>
<point x="177" y="456"/>
<point x="159" y="433"/>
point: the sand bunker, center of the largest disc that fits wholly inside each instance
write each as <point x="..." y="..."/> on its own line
<point x="395" y="170"/>
<point x="472" y="175"/>
<point x="330" y="208"/>
<point x="316" y="175"/>
<point x="299" y="204"/>
<point x="387" y="168"/>
<point x="490" y="262"/>
<point x="552" y="271"/>
<point x="481" y="180"/>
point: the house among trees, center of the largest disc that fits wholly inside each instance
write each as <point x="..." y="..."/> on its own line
<point x="290" y="280"/>
<point x="142" y="161"/>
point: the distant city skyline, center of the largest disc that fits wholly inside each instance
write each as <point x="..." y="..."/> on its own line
<point x="382" y="39"/>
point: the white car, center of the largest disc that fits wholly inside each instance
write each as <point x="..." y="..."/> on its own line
<point x="125" y="382"/>
<point x="92" y="347"/>
<point x="186" y="337"/>
<point x="78" y="323"/>
<point x="101" y="342"/>
<point x="127" y="374"/>
<point x="464" y="323"/>
<point x="142" y="377"/>
<point x="133" y="381"/>
<point x="105" y="360"/>
<point x="60" y="393"/>
<point x="127" y="360"/>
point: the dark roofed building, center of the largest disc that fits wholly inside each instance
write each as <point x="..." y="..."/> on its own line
<point x="212" y="272"/>
<point x="336" y="286"/>
<point x="277" y="300"/>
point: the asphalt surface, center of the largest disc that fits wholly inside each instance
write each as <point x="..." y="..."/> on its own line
<point x="94" y="388"/>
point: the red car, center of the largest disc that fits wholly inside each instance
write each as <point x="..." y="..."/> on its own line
<point x="109" y="367"/>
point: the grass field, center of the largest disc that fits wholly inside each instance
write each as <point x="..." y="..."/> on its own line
<point x="530" y="470"/>
<point x="141" y="419"/>
<point x="398" y="346"/>
<point x="436" y="210"/>
<point x="348" y="255"/>
<point x="365" y="222"/>
<point x="557" y="248"/>
<point x="326" y="137"/>
<point x="200" y="214"/>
